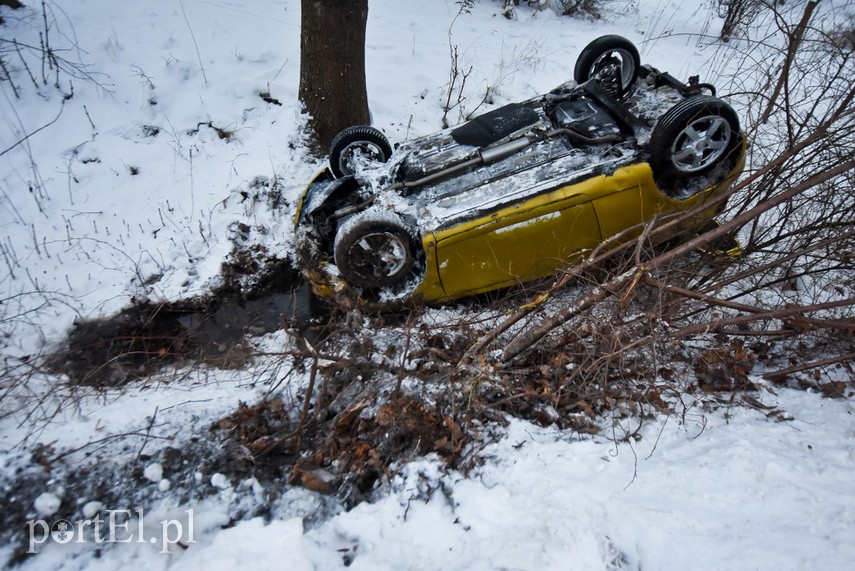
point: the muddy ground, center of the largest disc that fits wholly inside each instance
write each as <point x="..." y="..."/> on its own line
<point x="209" y="330"/>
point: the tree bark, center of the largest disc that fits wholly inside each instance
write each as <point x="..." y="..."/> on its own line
<point x="332" y="67"/>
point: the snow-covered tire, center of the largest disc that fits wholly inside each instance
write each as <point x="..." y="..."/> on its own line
<point x="692" y="138"/>
<point x="362" y="140"/>
<point x="374" y="250"/>
<point x="612" y="60"/>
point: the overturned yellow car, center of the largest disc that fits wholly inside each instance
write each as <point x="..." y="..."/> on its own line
<point x="521" y="192"/>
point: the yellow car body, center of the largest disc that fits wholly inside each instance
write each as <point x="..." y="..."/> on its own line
<point x="521" y="192"/>
<point x="539" y="236"/>
<point x="545" y="234"/>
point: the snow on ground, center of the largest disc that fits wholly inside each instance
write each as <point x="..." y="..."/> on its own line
<point x="710" y="494"/>
<point x="137" y="186"/>
<point x="722" y="490"/>
<point x="132" y="191"/>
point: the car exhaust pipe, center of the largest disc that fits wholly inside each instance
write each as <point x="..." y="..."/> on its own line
<point x="483" y="157"/>
<point x="504" y="150"/>
<point x="439" y="174"/>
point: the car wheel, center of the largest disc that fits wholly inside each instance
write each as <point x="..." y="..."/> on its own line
<point x="612" y="60"/>
<point x="373" y="250"/>
<point x="361" y="140"/>
<point x="692" y="138"/>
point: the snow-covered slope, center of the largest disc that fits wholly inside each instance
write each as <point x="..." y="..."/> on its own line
<point x="173" y="127"/>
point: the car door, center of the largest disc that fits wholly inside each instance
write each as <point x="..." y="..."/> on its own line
<point x="626" y="198"/>
<point x="630" y="196"/>
<point x="521" y="242"/>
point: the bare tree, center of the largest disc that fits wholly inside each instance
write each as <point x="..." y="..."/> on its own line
<point x="789" y="298"/>
<point x="332" y="66"/>
<point x="737" y="14"/>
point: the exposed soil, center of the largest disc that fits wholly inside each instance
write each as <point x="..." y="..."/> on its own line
<point x="260" y="294"/>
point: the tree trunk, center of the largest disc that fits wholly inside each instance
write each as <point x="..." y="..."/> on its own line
<point x="332" y="67"/>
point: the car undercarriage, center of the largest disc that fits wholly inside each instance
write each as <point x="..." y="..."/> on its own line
<point x="387" y="218"/>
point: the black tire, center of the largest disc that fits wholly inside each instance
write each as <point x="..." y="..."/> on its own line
<point x="374" y="250"/>
<point x="362" y="139"/>
<point x="613" y="61"/>
<point x="692" y="138"/>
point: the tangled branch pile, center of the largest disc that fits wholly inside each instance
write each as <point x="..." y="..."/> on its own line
<point x="641" y="327"/>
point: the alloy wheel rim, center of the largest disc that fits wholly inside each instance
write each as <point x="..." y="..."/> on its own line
<point x="701" y="143"/>
<point x="356" y="149"/>
<point x="379" y="255"/>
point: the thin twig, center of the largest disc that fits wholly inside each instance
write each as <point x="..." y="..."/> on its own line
<point x="24" y="62"/>
<point x="147" y="433"/>
<point x="9" y="77"/>
<point x="796" y="318"/>
<point x="309" y="390"/>
<point x="107" y="439"/>
<point x="789" y="312"/>
<point x="45" y="126"/>
<point x="811" y="365"/>
<point x="193" y="36"/>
